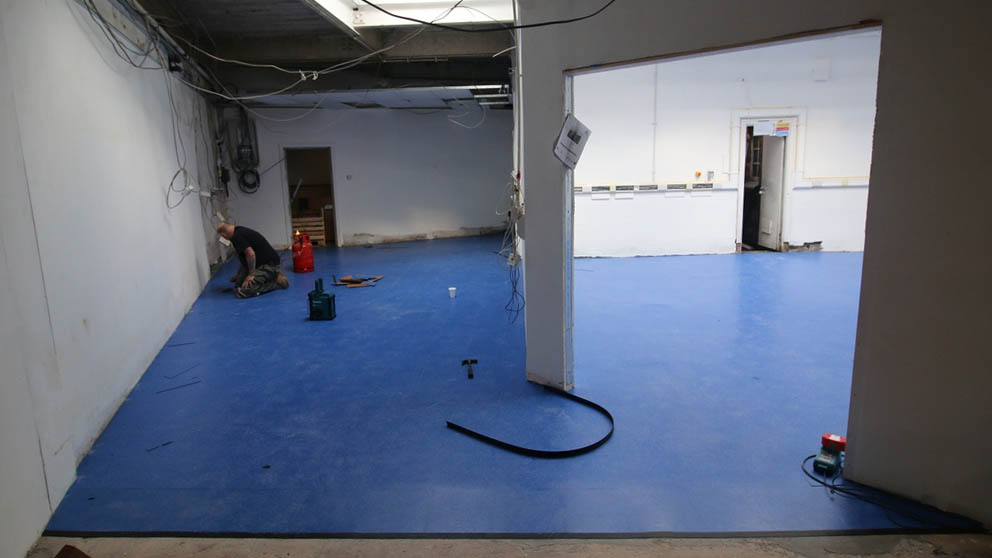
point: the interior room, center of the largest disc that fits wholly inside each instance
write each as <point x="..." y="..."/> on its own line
<point x="675" y="162"/>
<point x="492" y="276"/>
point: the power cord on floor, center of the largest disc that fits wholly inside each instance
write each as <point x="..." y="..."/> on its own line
<point x="872" y="496"/>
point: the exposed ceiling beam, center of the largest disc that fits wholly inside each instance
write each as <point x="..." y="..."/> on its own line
<point x="462" y="72"/>
<point x="316" y="49"/>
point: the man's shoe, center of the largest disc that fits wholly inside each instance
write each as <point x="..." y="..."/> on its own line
<point x="282" y="281"/>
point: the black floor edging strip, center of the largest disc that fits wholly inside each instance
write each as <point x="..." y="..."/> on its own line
<point x="547" y="454"/>
<point x="634" y="535"/>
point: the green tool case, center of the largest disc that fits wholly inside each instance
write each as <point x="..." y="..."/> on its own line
<point x="321" y="302"/>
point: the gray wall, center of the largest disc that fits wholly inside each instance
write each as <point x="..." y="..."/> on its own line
<point x="921" y="401"/>
<point x="922" y="371"/>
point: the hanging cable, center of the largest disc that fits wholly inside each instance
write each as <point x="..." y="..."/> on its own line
<point x="306" y="75"/>
<point x="180" y="185"/>
<point x="510" y="254"/>
<point x="341" y="66"/>
<point x="473" y="126"/>
<point x="491" y="29"/>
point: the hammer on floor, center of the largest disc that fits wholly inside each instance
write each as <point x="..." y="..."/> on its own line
<point x="470" y="362"/>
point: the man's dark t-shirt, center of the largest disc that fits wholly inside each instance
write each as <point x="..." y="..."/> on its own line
<point x="244" y="237"/>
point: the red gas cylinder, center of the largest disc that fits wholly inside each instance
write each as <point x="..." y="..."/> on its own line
<point x="302" y="254"/>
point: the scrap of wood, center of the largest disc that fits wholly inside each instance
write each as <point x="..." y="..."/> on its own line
<point x="351" y="281"/>
<point x="355" y="282"/>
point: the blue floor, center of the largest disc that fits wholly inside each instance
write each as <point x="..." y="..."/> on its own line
<point x="721" y="371"/>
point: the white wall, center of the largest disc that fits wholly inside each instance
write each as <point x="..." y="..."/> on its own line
<point x="397" y="175"/>
<point x="921" y="370"/>
<point x="24" y="341"/>
<point x="655" y="223"/>
<point x="695" y="101"/>
<point x="97" y="272"/>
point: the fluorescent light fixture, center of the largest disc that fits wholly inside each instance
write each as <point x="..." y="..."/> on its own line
<point x="338" y="12"/>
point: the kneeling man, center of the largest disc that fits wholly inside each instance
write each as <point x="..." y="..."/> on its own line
<point x="260" y="271"/>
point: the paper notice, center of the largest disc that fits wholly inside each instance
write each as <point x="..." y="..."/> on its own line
<point x="764" y="128"/>
<point x="571" y="141"/>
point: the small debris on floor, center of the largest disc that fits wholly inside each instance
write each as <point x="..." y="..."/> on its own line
<point x="356" y="282"/>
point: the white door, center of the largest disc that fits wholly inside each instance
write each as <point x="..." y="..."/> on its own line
<point x="772" y="184"/>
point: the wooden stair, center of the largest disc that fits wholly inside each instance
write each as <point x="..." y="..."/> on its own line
<point x="313" y="226"/>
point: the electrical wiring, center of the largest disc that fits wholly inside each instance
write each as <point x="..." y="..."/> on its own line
<point x="180" y="185"/>
<point x="508" y="251"/>
<point x="234" y="61"/>
<point x="179" y="147"/>
<point x="491" y="29"/>
<point x="243" y="97"/>
<point x="505" y="50"/>
<point x="874" y="497"/>
<point x="306" y="75"/>
<point x="494" y="20"/>
<point x="510" y="255"/>
<point x="337" y="67"/>
<point x="121" y="49"/>
<point x="341" y="66"/>
<point x="473" y="126"/>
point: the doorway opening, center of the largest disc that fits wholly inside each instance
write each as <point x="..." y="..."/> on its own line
<point x="764" y="185"/>
<point x="311" y="193"/>
<point x="690" y="160"/>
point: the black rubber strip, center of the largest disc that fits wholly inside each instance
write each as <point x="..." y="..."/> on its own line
<point x="503" y="535"/>
<point x="548" y="454"/>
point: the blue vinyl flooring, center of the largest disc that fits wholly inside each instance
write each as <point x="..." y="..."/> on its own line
<point x="721" y="372"/>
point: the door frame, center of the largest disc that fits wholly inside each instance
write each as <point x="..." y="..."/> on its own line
<point x="795" y="144"/>
<point x="284" y="180"/>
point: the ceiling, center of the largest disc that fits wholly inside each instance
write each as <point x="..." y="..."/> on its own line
<point x="407" y="98"/>
<point x="296" y="34"/>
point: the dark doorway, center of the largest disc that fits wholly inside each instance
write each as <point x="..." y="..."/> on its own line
<point x="311" y="193"/>
<point x="764" y="184"/>
<point x="752" y="188"/>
